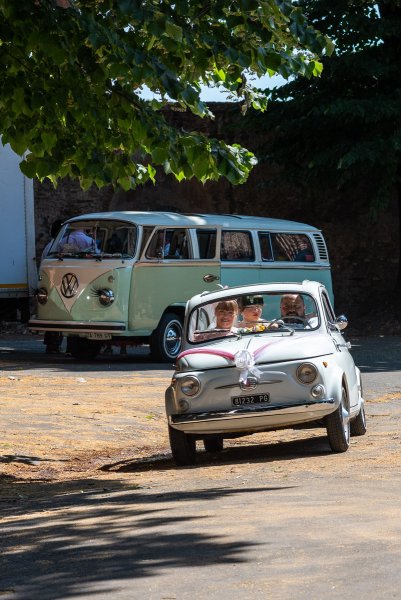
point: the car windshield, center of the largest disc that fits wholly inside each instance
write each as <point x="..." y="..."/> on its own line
<point x="250" y="314"/>
<point x="95" y="238"/>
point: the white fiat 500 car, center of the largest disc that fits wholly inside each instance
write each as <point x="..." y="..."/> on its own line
<point x="262" y="357"/>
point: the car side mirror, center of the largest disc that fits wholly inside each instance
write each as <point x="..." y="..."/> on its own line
<point x="341" y="322"/>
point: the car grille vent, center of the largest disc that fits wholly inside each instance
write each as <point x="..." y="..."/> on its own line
<point x="321" y="246"/>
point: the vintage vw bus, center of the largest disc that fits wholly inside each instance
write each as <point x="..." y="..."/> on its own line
<point x="125" y="277"/>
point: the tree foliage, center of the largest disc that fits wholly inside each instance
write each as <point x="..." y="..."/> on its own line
<point x="71" y="73"/>
<point x="344" y="129"/>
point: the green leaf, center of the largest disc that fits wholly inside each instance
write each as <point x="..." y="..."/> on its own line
<point x="159" y="155"/>
<point x="70" y="82"/>
<point x="173" y="31"/>
<point x="49" y="140"/>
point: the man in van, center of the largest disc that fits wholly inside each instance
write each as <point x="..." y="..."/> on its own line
<point x="78" y="241"/>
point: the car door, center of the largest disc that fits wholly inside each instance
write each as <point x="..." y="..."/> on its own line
<point x="343" y="355"/>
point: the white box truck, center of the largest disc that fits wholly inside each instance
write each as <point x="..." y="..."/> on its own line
<point x="18" y="270"/>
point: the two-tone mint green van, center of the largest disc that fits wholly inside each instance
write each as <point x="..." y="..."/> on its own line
<point x="125" y="277"/>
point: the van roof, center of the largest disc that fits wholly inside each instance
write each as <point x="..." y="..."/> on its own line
<point x="170" y="219"/>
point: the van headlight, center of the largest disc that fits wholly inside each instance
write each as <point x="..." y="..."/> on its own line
<point x="42" y="295"/>
<point x="106" y="297"/>
<point x="306" y="373"/>
<point x="190" y="386"/>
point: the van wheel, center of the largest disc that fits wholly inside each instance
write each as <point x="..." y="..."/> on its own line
<point x="165" y="341"/>
<point x="183" y="447"/>
<point x="338" y="425"/>
<point x="82" y="348"/>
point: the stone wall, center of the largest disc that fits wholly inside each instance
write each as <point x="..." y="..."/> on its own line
<point x="363" y="252"/>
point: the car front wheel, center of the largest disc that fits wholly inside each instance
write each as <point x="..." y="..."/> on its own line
<point x="358" y="425"/>
<point x="183" y="447"/>
<point x="338" y="425"/>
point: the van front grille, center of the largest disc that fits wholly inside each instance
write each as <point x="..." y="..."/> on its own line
<point x="321" y="246"/>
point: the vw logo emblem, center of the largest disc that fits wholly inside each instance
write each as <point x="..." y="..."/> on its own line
<point x="69" y="285"/>
<point x="250" y="383"/>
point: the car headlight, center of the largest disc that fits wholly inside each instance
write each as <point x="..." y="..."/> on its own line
<point x="306" y="373"/>
<point x="42" y="295"/>
<point x="106" y="297"/>
<point x="190" y="386"/>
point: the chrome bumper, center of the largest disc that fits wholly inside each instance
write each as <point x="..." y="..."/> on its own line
<point x="36" y="325"/>
<point x="284" y="410"/>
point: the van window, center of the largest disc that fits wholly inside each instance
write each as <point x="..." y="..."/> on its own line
<point x="80" y="238"/>
<point x="237" y="246"/>
<point x="265" y="246"/>
<point x="292" y="247"/>
<point x="206" y="242"/>
<point x="146" y="233"/>
<point x="169" y="243"/>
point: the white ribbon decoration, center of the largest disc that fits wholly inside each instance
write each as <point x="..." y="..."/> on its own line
<point x="245" y="361"/>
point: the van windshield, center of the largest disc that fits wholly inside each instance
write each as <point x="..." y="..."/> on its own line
<point x="95" y="238"/>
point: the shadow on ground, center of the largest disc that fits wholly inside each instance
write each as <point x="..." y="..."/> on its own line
<point x="260" y="453"/>
<point x="78" y="540"/>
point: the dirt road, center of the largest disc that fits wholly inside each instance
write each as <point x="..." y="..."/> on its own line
<point x="62" y="421"/>
<point x="93" y="507"/>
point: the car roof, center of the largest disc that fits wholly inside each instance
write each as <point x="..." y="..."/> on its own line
<point x="307" y="287"/>
<point x="170" y="219"/>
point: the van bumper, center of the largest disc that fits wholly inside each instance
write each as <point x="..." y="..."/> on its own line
<point x="39" y="325"/>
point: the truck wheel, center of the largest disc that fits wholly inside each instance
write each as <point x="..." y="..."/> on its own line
<point x="213" y="444"/>
<point x="82" y="349"/>
<point x="338" y="425"/>
<point x="165" y="342"/>
<point x="183" y="447"/>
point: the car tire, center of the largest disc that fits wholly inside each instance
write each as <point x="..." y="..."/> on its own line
<point x="183" y="447"/>
<point x="338" y="425"/>
<point x="213" y="444"/>
<point x="358" y="425"/>
<point x="82" y="348"/>
<point x="165" y="342"/>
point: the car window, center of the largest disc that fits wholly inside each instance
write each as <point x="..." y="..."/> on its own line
<point x="237" y="246"/>
<point x="328" y="311"/>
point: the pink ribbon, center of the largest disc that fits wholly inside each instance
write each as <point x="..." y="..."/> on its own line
<point x="222" y="353"/>
<point x="230" y="355"/>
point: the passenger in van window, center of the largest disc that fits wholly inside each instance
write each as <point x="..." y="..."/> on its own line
<point x="304" y="254"/>
<point x="225" y="312"/>
<point x="250" y="310"/>
<point x="168" y="254"/>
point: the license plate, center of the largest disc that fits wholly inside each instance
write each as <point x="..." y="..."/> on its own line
<point x="99" y="336"/>
<point x="251" y="399"/>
